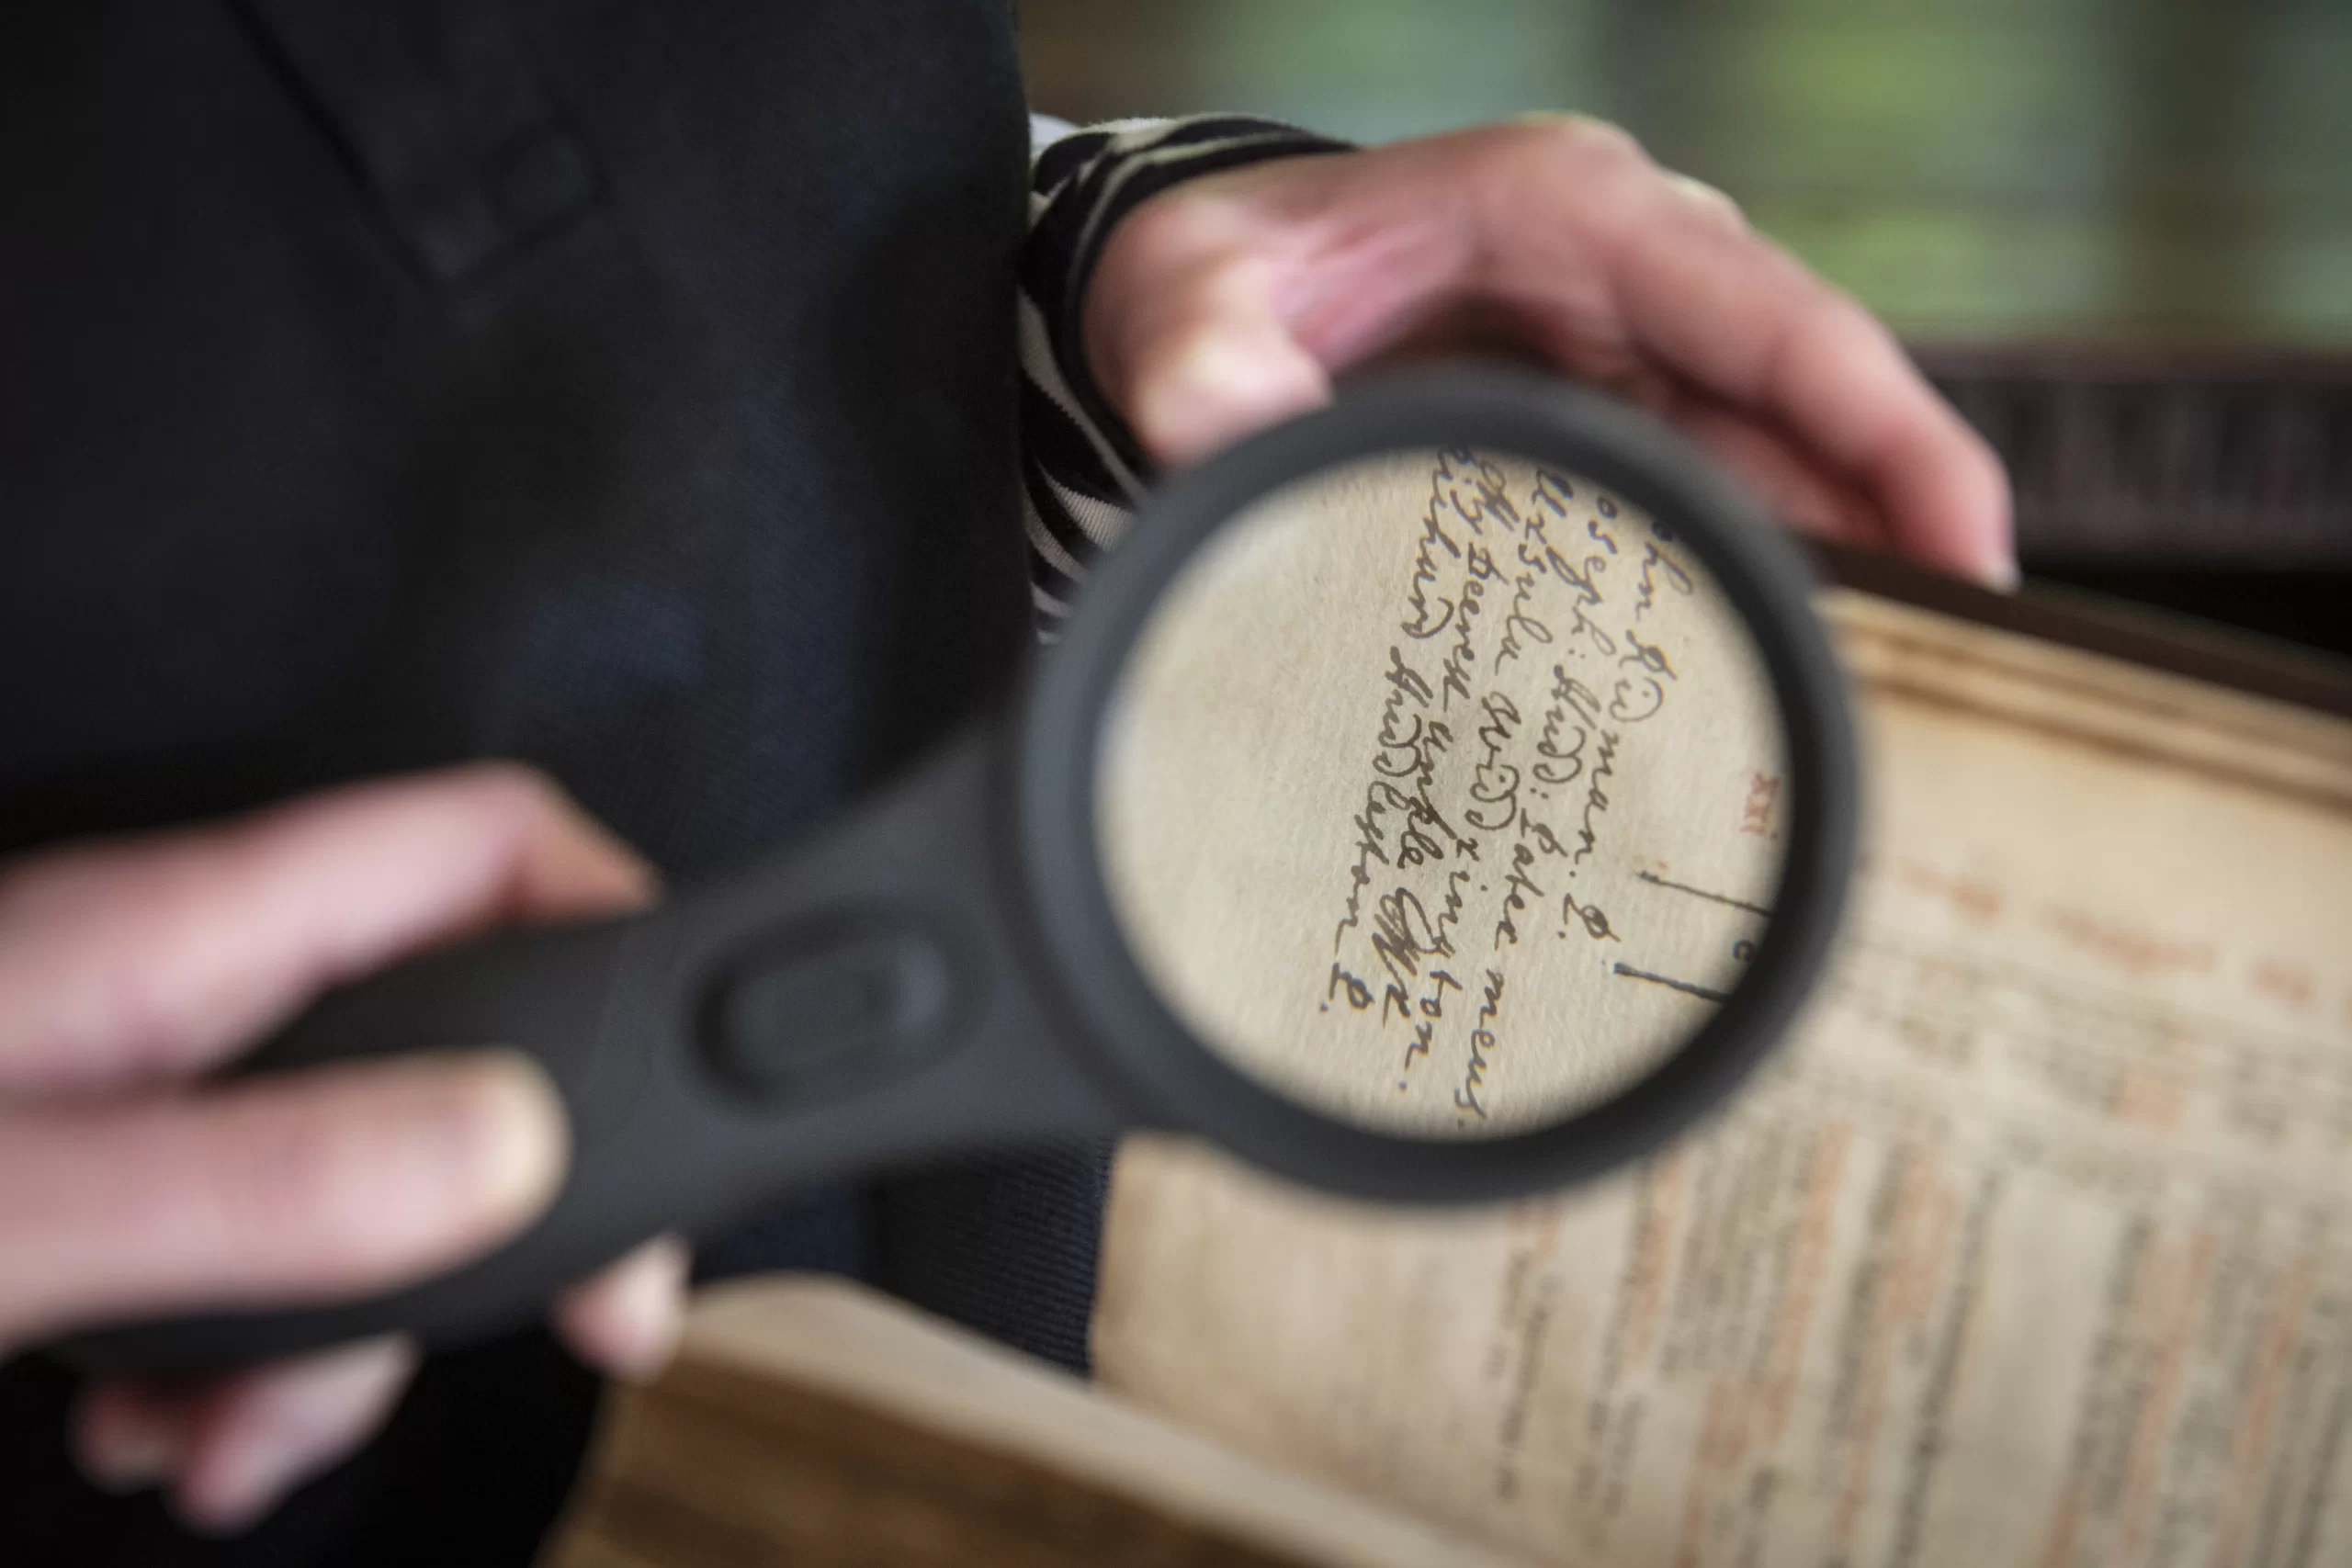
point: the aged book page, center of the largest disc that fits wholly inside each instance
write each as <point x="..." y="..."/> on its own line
<point x="814" y="1422"/>
<point x="2030" y="1249"/>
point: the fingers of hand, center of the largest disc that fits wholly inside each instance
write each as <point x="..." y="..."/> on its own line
<point x="1837" y="383"/>
<point x="230" y="1450"/>
<point x="124" y="964"/>
<point x="309" y="1186"/>
<point x="1225" y="302"/>
<point x="625" y="1320"/>
<point x="1785" y="479"/>
<point x="1617" y="268"/>
<point x="1691" y="289"/>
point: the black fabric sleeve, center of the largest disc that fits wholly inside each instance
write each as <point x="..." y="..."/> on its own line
<point x="1082" y="470"/>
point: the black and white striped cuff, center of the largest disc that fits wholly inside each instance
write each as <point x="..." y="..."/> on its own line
<point x="1082" y="467"/>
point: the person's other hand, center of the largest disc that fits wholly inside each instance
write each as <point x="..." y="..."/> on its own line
<point x="1228" y="302"/>
<point x="127" y="967"/>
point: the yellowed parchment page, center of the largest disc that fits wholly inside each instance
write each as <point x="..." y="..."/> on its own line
<point x="1445" y="794"/>
<point x="2030" y="1249"/>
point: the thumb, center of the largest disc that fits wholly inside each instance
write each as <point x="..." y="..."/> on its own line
<point x="1200" y="359"/>
<point x="310" y="1185"/>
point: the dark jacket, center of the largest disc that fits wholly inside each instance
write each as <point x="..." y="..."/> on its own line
<point x="625" y="386"/>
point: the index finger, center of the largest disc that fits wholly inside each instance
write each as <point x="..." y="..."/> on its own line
<point x="138" y="960"/>
<point x="1682" y="289"/>
<point x="1740" y="317"/>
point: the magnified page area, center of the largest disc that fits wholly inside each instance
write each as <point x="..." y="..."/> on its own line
<point x="1444" y="794"/>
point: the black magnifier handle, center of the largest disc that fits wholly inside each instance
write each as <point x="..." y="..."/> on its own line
<point x="860" y="1001"/>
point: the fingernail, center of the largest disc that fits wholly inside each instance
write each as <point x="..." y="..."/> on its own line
<point x="128" y="1451"/>
<point x="467" y="1145"/>
<point x="1999" y="574"/>
<point x="236" y="1489"/>
<point x="652" y="1310"/>
<point x="497" y="1137"/>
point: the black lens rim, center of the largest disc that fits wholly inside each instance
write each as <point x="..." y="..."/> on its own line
<point x="1131" y="1035"/>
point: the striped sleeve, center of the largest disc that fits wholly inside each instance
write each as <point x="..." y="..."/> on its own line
<point x="1082" y="470"/>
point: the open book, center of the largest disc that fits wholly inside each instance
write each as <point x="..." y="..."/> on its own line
<point x="816" y="1423"/>
<point x="2031" y="1248"/>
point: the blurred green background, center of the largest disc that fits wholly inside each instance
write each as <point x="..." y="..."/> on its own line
<point x="2081" y="171"/>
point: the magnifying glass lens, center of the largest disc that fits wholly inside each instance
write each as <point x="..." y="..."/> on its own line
<point x="1444" y="792"/>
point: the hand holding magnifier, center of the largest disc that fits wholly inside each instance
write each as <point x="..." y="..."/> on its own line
<point x="1443" y="797"/>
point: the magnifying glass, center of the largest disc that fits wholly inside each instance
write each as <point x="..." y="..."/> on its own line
<point x="1443" y="797"/>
